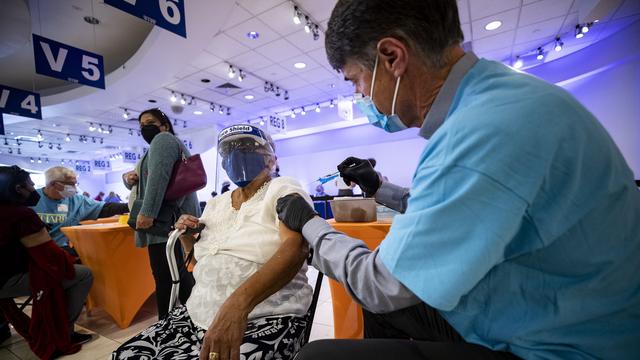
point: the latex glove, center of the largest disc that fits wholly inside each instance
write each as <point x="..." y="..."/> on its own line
<point x="361" y="172"/>
<point x="294" y="211"/>
<point x="144" y="222"/>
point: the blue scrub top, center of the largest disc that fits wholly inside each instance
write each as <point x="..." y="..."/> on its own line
<point x="66" y="212"/>
<point x="523" y="226"/>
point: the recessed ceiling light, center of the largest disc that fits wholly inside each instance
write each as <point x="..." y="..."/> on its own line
<point x="153" y="101"/>
<point x="205" y="80"/>
<point x="249" y="97"/>
<point x="493" y="25"/>
<point x="300" y="65"/>
<point x="197" y="112"/>
<point x="253" y="35"/>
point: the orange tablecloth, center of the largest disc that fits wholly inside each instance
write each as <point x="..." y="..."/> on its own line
<point x="122" y="279"/>
<point x="106" y="220"/>
<point x="347" y="315"/>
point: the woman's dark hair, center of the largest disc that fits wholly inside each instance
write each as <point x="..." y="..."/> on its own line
<point x="10" y="176"/>
<point x="158" y="114"/>
<point x="428" y="27"/>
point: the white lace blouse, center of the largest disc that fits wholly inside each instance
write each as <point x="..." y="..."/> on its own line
<point x="234" y="245"/>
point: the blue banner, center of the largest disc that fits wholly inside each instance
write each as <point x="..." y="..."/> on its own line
<point x="167" y="14"/>
<point x="66" y="62"/>
<point x="19" y="102"/>
<point x="1" y="125"/>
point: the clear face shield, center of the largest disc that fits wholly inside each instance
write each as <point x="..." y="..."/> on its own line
<point x="245" y="152"/>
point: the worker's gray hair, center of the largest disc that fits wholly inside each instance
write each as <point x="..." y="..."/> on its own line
<point x="58" y="173"/>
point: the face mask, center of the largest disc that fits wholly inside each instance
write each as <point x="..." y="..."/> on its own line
<point x="242" y="167"/>
<point x="389" y="123"/>
<point x="149" y="132"/>
<point x="32" y="199"/>
<point x="69" y="191"/>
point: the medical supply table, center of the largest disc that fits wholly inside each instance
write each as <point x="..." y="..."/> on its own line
<point x="347" y="315"/>
<point x="122" y="279"/>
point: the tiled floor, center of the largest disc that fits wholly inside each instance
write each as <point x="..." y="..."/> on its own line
<point x="108" y="336"/>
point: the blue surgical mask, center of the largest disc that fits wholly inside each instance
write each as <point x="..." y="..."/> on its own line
<point x="389" y="123"/>
<point x="242" y="167"/>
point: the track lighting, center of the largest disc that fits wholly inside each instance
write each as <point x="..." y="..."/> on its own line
<point x="59" y="147"/>
<point x="558" y="45"/>
<point x="50" y="146"/>
<point x="67" y="138"/>
<point x="100" y="129"/>
<point x="331" y="105"/>
<point x="232" y="72"/>
<point x="173" y="97"/>
<point x="39" y="161"/>
<point x="293" y="113"/>
<point x="302" y="112"/>
<point x="212" y="107"/>
<point x="39" y="136"/>
<point x="518" y="64"/>
<point x="182" y="100"/>
<point x="307" y="24"/>
<point x="316" y="32"/>
<point x="241" y="75"/>
<point x="540" y="55"/>
<point x="40" y="145"/>
<point x="31" y="160"/>
<point x="125" y="114"/>
<point x="317" y="108"/>
<point x="585" y="28"/>
<point x="296" y="15"/>
<point x="130" y="132"/>
<point x="228" y="111"/>
<point x="286" y="95"/>
<point x="91" y="127"/>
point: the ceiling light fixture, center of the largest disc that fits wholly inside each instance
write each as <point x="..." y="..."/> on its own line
<point x="197" y="112"/>
<point x="585" y="28"/>
<point x="221" y="110"/>
<point x="39" y="136"/>
<point x="241" y="75"/>
<point x="183" y="101"/>
<point x="299" y="65"/>
<point x="253" y="35"/>
<point x="331" y="105"/>
<point x="249" y="97"/>
<point x="493" y="25"/>
<point x="293" y="113"/>
<point x="518" y="64"/>
<point x="558" y="45"/>
<point x="286" y="95"/>
<point x="302" y="112"/>
<point x="91" y="127"/>
<point x="232" y="72"/>
<point x="540" y="55"/>
<point x="316" y="32"/>
<point x="173" y="97"/>
<point x="578" y="32"/>
<point x="125" y="114"/>
<point x="50" y="146"/>
<point x="317" y="108"/>
<point x="212" y="107"/>
<point x="307" y="24"/>
<point x="296" y="15"/>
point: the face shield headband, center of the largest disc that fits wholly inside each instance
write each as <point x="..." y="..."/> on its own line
<point x="245" y="151"/>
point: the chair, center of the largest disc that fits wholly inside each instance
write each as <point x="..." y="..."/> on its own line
<point x="175" y="283"/>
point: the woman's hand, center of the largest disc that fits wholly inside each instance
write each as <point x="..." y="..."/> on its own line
<point x="187" y="221"/>
<point x="144" y="222"/>
<point x="131" y="178"/>
<point x="226" y="332"/>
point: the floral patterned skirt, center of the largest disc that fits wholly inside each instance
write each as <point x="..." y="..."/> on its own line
<point x="178" y="338"/>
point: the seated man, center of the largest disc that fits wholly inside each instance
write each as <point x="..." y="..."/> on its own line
<point x="60" y="205"/>
<point x="251" y="292"/>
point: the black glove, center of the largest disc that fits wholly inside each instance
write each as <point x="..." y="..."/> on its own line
<point x="361" y="172"/>
<point x="294" y="211"/>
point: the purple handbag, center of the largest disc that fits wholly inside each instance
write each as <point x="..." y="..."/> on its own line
<point x="188" y="176"/>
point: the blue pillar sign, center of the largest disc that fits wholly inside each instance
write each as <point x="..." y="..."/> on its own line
<point x="83" y="167"/>
<point x="167" y="14"/>
<point x="66" y="62"/>
<point x="19" y="102"/>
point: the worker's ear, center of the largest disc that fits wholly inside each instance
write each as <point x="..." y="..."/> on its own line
<point x="393" y="55"/>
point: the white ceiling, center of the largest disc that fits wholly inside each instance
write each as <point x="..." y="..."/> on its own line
<point x="526" y="25"/>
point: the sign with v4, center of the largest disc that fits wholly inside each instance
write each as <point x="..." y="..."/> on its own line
<point x="66" y="62"/>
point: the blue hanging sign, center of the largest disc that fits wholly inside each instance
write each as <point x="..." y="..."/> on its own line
<point x="167" y="14"/>
<point x="66" y="62"/>
<point x="83" y="166"/>
<point x="20" y="102"/>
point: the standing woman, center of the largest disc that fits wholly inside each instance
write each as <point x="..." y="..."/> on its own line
<point x="156" y="167"/>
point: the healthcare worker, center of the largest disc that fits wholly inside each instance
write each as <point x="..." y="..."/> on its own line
<point x="521" y="234"/>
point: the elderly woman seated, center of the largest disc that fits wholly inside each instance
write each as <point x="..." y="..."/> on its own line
<point x="251" y="291"/>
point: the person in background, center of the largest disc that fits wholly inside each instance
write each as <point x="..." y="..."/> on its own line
<point x="155" y="169"/>
<point x="520" y="234"/>
<point x="320" y="191"/>
<point x="60" y="205"/>
<point x="86" y="194"/>
<point x="112" y="198"/>
<point x="31" y="263"/>
<point x="225" y="187"/>
<point x="99" y="196"/>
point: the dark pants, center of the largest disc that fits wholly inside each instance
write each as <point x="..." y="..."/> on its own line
<point x="416" y="332"/>
<point x="76" y="290"/>
<point x="162" y="276"/>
